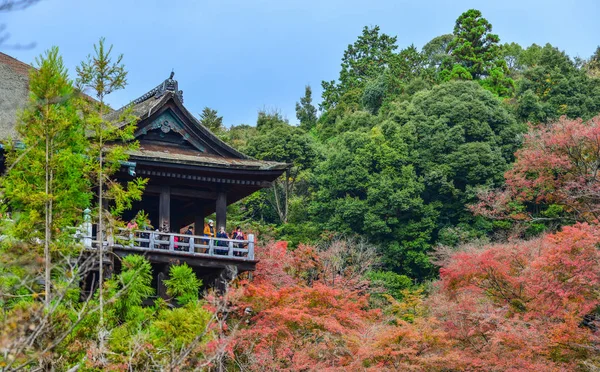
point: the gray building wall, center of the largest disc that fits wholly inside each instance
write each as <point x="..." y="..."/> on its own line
<point x="14" y="87"/>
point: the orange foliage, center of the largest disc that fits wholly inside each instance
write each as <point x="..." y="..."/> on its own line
<point x="521" y="306"/>
<point x="558" y="164"/>
<point x="506" y="307"/>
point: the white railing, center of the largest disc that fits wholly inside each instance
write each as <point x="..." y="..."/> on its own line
<point x="201" y="246"/>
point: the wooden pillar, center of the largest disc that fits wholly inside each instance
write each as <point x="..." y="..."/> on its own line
<point x="164" y="207"/>
<point x="198" y="218"/>
<point x="221" y="210"/>
<point x="198" y="224"/>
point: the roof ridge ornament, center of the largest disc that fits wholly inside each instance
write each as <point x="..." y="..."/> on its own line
<point x="169" y="85"/>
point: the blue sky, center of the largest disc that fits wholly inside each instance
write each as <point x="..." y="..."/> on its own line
<point x="241" y="56"/>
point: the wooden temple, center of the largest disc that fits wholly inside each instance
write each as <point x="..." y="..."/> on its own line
<point x="191" y="173"/>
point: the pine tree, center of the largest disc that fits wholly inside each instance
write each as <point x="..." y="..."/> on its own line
<point x="305" y="111"/>
<point x="104" y="76"/>
<point x="45" y="185"/>
<point x="211" y="120"/>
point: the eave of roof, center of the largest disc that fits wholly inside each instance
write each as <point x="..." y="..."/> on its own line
<point x="204" y="160"/>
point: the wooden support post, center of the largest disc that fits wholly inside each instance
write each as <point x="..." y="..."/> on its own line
<point x="199" y="225"/>
<point x="164" y="207"/>
<point x="226" y="275"/>
<point x="251" y="246"/>
<point x="221" y="209"/>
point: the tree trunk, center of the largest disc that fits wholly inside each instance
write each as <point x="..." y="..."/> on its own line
<point x="47" y="226"/>
<point x="100" y="238"/>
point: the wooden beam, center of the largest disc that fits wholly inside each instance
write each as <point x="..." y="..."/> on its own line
<point x="218" y="263"/>
<point x="170" y="173"/>
<point x="190" y="193"/>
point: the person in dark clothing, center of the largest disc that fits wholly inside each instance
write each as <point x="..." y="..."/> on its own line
<point x="237" y="234"/>
<point x="189" y="231"/>
<point x="146" y="235"/>
<point x="223" y="235"/>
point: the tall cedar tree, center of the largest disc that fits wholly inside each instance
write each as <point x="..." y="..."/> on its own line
<point x="211" y="120"/>
<point x="305" y="111"/>
<point x="474" y="46"/>
<point x="367" y="58"/>
<point x="45" y="185"/>
<point x="104" y="76"/>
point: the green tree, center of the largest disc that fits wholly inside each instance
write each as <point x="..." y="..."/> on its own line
<point x="404" y="69"/>
<point x="374" y="93"/>
<point x="512" y="55"/>
<point x="592" y="66"/>
<point x="367" y="58"/>
<point x="211" y="120"/>
<point x="403" y="178"/>
<point x="473" y="45"/>
<point x="279" y="141"/>
<point x="530" y="57"/>
<point x="183" y="284"/>
<point x="305" y="111"/>
<point x="436" y="50"/>
<point x="476" y="54"/>
<point x="46" y="185"/>
<point x="103" y="76"/>
<point x="554" y="86"/>
<point x="368" y="186"/>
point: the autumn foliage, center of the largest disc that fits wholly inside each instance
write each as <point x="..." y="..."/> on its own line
<point x="559" y="165"/>
<point x="525" y="305"/>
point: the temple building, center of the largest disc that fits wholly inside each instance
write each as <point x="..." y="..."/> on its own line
<point x="191" y="173"/>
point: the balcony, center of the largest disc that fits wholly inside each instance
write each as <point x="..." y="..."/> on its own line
<point x="172" y="248"/>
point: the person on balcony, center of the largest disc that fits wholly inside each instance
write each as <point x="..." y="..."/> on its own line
<point x="237" y="234"/>
<point x="222" y="235"/>
<point x="163" y="237"/>
<point x="132" y="225"/>
<point x="146" y="226"/>
<point x="209" y="229"/>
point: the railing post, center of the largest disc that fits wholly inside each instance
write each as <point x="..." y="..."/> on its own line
<point x="110" y="238"/>
<point x="251" y="246"/>
<point x="210" y="246"/>
<point x="230" y="246"/>
<point x="171" y="242"/>
<point x="87" y="228"/>
<point x="151" y="243"/>
<point x="192" y="248"/>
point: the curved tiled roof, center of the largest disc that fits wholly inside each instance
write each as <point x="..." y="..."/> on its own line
<point x="150" y="102"/>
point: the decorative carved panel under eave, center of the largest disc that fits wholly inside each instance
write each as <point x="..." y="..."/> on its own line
<point x="169" y="129"/>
